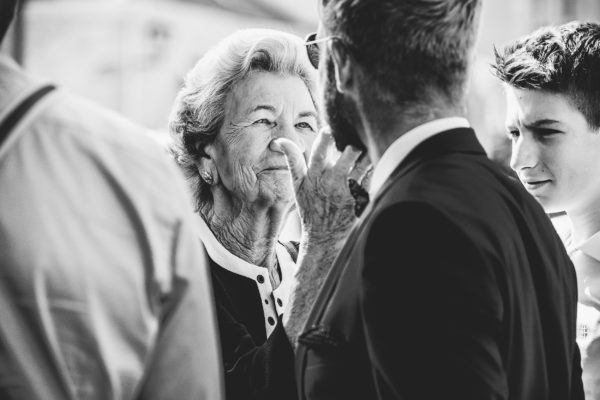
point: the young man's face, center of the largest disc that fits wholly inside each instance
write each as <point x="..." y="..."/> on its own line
<point x="554" y="152"/>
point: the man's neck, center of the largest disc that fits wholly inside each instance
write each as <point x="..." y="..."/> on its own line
<point x="381" y="131"/>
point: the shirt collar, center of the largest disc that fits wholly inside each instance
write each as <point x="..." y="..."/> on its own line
<point x="401" y="147"/>
<point x="274" y="302"/>
<point x="15" y="85"/>
<point x="590" y="247"/>
<point x="224" y="258"/>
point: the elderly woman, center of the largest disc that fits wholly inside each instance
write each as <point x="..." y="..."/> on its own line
<point x="254" y="87"/>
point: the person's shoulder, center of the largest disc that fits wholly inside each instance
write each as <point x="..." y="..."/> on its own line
<point x="92" y="124"/>
<point x="93" y="137"/>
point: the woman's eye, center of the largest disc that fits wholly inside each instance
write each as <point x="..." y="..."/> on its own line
<point x="305" y="125"/>
<point x="262" y="121"/>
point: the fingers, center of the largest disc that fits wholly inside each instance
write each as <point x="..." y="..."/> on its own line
<point x="294" y="158"/>
<point x="348" y="159"/>
<point x="320" y="150"/>
<point x="361" y="168"/>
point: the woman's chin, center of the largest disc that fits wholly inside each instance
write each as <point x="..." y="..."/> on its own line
<point x="279" y="190"/>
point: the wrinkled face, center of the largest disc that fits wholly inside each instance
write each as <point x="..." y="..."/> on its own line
<point x="554" y="152"/>
<point x="263" y="107"/>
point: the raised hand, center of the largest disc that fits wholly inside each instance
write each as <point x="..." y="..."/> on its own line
<point x="326" y="209"/>
<point x="323" y="197"/>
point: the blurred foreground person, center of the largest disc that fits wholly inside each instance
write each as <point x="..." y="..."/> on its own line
<point x="104" y="288"/>
<point x="453" y="284"/>
<point x="552" y="80"/>
<point x="253" y="87"/>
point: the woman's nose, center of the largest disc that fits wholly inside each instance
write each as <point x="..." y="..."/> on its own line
<point x="289" y="131"/>
<point x="525" y="154"/>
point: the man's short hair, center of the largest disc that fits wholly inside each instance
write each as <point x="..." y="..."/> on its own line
<point x="410" y="50"/>
<point x="562" y="60"/>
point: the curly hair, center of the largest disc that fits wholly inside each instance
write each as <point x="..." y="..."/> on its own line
<point x="198" y="111"/>
<point x="561" y="60"/>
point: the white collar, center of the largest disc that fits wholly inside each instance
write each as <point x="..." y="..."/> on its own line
<point x="278" y="298"/>
<point x="15" y="85"/>
<point x="401" y="147"/>
<point x="589" y="247"/>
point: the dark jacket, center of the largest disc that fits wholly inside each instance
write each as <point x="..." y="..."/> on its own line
<point x="454" y="285"/>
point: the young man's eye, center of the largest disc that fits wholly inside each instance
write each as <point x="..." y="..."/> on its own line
<point x="544" y="134"/>
<point x="512" y="134"/>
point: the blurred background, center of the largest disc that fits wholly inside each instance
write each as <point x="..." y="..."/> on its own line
<point x="130" y="55"/>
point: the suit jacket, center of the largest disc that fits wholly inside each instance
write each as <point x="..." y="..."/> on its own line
<point x="454" y="285"/>
<point x="256" y="367"/>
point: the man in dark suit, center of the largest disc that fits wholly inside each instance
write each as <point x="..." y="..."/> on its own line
<point x="453" y="284"/>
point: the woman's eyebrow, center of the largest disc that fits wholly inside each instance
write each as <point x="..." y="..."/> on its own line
<point x="307" y="114"/>
<point x="263" y="107"/>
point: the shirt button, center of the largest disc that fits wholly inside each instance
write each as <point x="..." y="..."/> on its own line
<point x="271" y="321"/>
<point x="280" y="302"/>
<point x="260" y="279"/>
<point x="266" y="301"/>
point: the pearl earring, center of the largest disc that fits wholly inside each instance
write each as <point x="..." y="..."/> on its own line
<point x="207" y="177"/>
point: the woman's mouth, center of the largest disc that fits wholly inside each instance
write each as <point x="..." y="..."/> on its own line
<point x="275" y="168"/>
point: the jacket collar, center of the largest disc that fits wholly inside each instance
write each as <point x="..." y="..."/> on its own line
<point x="459" y="140"/>
<point x="405" y="144"/>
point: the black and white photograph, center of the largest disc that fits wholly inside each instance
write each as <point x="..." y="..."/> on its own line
<point x="299" y="199"/>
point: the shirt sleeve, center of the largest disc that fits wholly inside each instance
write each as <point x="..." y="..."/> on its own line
<point x="186" y="363"/>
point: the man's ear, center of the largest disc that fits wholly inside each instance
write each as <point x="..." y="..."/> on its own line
<point x="206" y="165"/>
<point x="342" y="66"/>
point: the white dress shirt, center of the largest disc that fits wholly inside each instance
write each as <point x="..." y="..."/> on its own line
<point x="276" y="298"/>
<point x="588" y="317"/>
<point x="406" y="143"/>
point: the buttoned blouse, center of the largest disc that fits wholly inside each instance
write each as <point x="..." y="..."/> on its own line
<point x="274" y="301"/>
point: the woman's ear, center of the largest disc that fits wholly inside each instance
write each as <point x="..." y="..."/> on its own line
<point x="206" y="166"/>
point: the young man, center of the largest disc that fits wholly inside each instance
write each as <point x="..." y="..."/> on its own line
<point x="552" y="82"/>
<point x="453" y="284"/>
